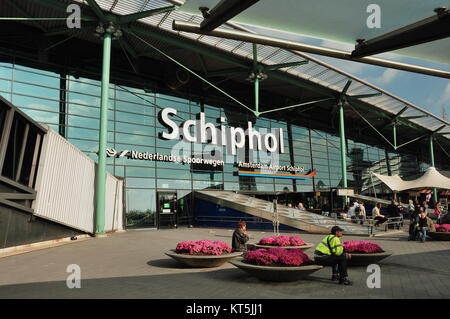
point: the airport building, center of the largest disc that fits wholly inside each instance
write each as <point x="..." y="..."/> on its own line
<point x="188" y="113"/>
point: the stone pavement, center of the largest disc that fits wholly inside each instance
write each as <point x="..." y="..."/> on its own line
<point x="133" y="265"/>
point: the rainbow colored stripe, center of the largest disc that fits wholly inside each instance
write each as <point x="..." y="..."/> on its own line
<point x="278" y="175"/>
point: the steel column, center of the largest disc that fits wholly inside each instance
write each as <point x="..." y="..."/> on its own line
<point x="101" y="167"/>
<point x="343" y="147"/>
<point x="394" y="131"/>
<point x="432" y="164"/>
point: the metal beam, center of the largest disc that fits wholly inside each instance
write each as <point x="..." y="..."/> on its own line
<point x="143" y="14"/>
<point x="431" y="29"/>
<point x="290" y="45"/>
<point x="22" y="152"/>
<point x="16" y="196"/>
<point x="227" y="72"/>
<point x="297" y="105"/>
<point x="97" y="10"/>
<point x="7" y="127"/>
<point x="363" y="96"/>
<point x="224" y="11"/>
<point x="284" y="65"/>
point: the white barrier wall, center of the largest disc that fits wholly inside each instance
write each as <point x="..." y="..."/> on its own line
<point x="65" y="186"/>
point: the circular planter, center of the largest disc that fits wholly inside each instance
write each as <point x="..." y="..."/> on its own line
<point x="275" y="273"/>
<point x="199" y="261"/>
<point x="440" y="235"/>
<point x="304" y="247"/>
<point x="367" y="259"/>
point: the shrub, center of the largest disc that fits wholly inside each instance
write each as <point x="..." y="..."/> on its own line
<point x="278" y="257"/>
<point x="203" y="247"/>
<point x="444" y="228"/>
<point x="282" y="241"/>
<point x="365" y="247"/>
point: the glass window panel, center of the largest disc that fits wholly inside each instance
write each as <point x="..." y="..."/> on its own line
<point x="207" y="184"/>
<point x="141" y="207"/>
<point x="135" y="108"/>
<point x="82" y="133"/>
<point x="85" y="122"/>
<point x="36" y="91"/>
<point x="174" y="184"/>
<point x="40" y="77"/>
<point x="135" y="118"/>
<point x="83" y="110"/>
<point x="35" y="103"/>
<point x="132" y="171"/>
<point x="173" y="173"/>
<point x="5" y="85"/>
<point x="6" y="71"/>
<point x="84" y="85"/>
<point x="140" y="182"/>
<point x="42" y="116"/>
<point x="134" y="129"/>
<point x="89" y="146"/>
<point x="130" y="139"/>
<point x="83" y="99"/>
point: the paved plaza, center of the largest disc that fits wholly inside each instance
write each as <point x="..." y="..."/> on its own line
<point x="133" y="265"/>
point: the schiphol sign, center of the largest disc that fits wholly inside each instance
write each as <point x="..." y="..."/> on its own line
<point x="231" y="137"/>
<point x="208" y="141"/>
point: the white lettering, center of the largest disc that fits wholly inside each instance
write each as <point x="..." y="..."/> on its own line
<point x="164" y="114"/>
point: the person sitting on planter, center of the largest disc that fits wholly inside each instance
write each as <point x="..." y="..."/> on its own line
<point x="240" y="237"/>
<point x="423" y="226"/>
<point x="376" y="215"/>
<point x="331" y="253"/>
<point x="413" y="223"/>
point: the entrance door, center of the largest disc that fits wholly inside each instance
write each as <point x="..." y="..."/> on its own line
<point x="167" y="209"/>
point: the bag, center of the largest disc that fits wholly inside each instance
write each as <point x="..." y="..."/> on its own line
<point x="357" y="210"/>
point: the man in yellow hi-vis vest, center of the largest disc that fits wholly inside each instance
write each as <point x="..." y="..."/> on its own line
<point x="331" y="253"/>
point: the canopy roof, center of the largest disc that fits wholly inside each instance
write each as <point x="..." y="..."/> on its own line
<point x="343" y="20"/>
<point x="430" y="179"/>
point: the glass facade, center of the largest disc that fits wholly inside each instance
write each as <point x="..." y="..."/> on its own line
<point x="70" y="105"/>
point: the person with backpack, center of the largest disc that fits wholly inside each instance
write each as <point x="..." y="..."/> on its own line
<point x="330" y="252"/>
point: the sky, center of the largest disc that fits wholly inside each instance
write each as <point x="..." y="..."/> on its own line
<point x="425" y="91"/>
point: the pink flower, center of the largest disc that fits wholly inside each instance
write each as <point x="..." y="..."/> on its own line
<point x="203" y="247"/>
<point x="355" y="246"/>
<point x="282" y="241"/>
<point x="444" y="228"/>
<point x="278" y="257"/>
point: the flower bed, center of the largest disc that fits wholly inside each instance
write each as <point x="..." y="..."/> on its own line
<point x="361" y="247"/>
<point x="444" y="228"/>
<point x="277" y="257"/>
<point x="364" y="253"/>
<point x="203" y="247"/>
<point x="282" y="241"/>
<point x="276" y="264"/>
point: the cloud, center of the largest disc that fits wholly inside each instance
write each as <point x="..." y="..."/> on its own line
<point x="388" y="76"/>
<point x="445" y="98"/>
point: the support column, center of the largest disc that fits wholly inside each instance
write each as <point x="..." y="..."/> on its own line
<point x="394" y="129"/>
<point x="432" y="164"/>
<point x="101" y="167"/>
<point x="343" y="147"/>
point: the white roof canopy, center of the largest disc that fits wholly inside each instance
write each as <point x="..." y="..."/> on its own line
<point x="430" y="179"/>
